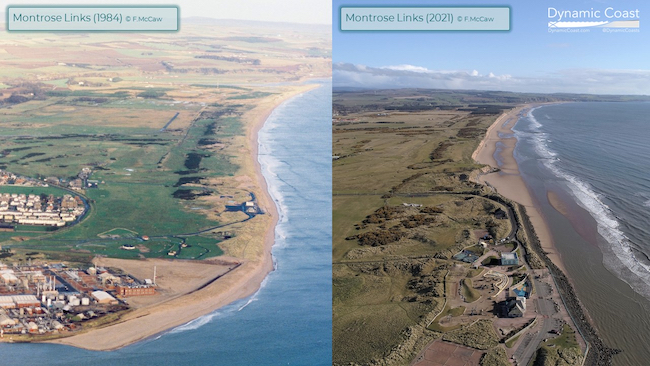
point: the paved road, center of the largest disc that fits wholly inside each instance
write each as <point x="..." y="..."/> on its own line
<point x="526" y="351"/>
<point x="545" y="308"/>
<point x="525" y="343"/>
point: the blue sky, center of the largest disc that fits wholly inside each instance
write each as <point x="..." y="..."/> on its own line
<point x="526" y="59"/>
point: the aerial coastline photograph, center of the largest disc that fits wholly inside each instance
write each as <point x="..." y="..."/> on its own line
<point x="165" y="196"/>
<point x="490" y="202"/>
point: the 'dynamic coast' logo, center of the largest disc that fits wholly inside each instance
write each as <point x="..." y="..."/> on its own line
<point x="608" y="20"/>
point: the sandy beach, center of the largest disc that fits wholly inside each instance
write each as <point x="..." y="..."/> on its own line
<point x="508" y="182"/>
<point x="184" y="295"/>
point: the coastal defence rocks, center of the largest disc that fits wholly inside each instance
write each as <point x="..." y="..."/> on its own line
<point x="598" y="353"/>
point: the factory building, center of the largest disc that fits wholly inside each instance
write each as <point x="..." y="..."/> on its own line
<point x="104" y="297"/>
<point x="5" y="320"/>
<point x="19" y="301"/>
<point x="8" y="277"/>
<point x="142" y="290"/>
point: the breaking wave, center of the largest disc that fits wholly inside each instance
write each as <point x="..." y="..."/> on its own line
<point x="607" y="224"/>
<point x="538" y="138"/>
<point x="198" y="322"/>
<point x="235" y="307"/>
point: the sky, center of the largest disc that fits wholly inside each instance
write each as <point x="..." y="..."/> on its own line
<point x="526" y="59"/>
<point x="293" y="11"/>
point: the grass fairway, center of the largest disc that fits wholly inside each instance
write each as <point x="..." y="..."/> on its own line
<point x="121" y="214"/>
<point x="200" y="247"/>
<point x="147" y="210"/>
<point x="148" y="179"/>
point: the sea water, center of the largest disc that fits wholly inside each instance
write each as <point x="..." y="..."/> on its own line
<point x="602" y="151"/>
<point x="595" y="157"/>
<point x="289" y="320"/>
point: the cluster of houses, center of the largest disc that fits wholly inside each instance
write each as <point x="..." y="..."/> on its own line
<point x="7" y="178"/>
<point x="43" y="210"/>
<point x="80" y="182"/>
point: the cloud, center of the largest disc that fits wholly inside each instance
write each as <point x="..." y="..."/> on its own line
<point x="595" y="81"/>
<point x="407" y="68"/>
<point x="404" y="76"/>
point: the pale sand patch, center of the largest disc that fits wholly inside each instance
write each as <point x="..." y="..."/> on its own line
<point x="508" y="182"/>
<point x="557" y="203"/>
<point x="255" y="256"/>
<point x="176" y="310"/>
<point x="174" y="278"/>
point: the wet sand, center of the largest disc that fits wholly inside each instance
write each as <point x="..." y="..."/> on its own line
<point x="255" y="263"/>
<point x="497" y="151"/>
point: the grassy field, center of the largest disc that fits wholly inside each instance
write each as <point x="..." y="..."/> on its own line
<point x="33" y="190"/>
<point x="105" y="101"/>
<point x="495" y="357"/>
<point x="403" y="205"/>
<point x="447" y="312"/>
<point x="565" y="340"/>
<point x="561" y="350"/>
<point x="469" y="292"/>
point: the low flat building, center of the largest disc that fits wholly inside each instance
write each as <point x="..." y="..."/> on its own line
<point x="26" y="301"/>
<point x="104" y="297"/>
<point x="509" y="259"/>
<point x="19" y="301"/>
<point x="143" y="290"/>
<point x="5" y="320"/>
<point x="7" y="302"/>
<point x="8" y="277"/>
